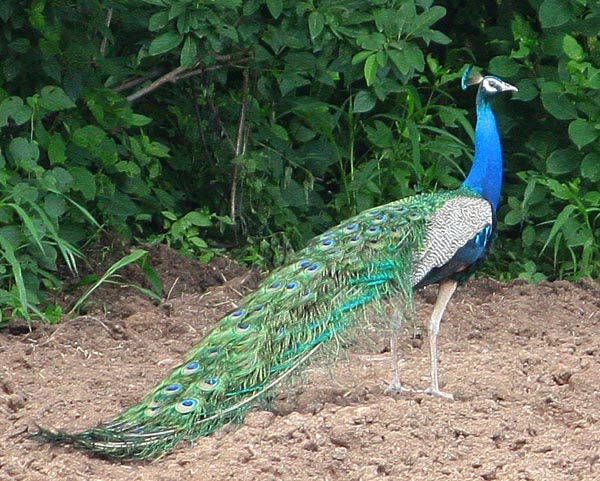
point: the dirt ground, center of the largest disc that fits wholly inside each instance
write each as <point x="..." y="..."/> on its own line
<point x="523" y="362"/>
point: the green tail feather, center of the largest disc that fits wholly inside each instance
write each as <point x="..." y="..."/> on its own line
<point x="276" y="330"/>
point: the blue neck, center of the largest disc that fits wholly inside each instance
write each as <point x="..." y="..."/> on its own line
<point x="485" y="176"/>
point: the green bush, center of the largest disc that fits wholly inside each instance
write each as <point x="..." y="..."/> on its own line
<point x="212" y="125"/>
<point x="550" y="222"/>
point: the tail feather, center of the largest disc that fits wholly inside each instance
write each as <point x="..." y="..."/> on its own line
<point x="276" y="331"/>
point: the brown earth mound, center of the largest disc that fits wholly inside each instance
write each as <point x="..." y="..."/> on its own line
<point x="523" y="362"/>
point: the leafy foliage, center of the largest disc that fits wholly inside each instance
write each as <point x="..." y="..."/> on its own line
<point x="211" y="125"/>
<point x="550" y="224"/>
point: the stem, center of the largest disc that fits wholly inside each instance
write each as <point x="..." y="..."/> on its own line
<point x="181" y="73"/>
<point x="169" y="77"/>
<point x="104" y="42"/>
<point x="240" y="148"/>
<point x="134" y="82"/>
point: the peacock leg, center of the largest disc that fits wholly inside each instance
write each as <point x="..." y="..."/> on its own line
<point x="395" y="387"/>
<point x="445" y="292"/>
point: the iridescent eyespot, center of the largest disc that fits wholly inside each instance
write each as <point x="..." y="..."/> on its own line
<point x="373" y="230"/>
<point x="291" y="286"/>
<point x="186" y="406"/>
<point x="238" y="314"/>
<point x="243" y="327"/>
<point x="327" y="243"/>
<point x="351" y="227"/>
<point x="395" y="232"/>
<point x="209" y="384"/>
<point x="213" y="352"/>
<point x="191" y="368"/>
<point x="172" y="389"/>
<point x="152" y="411"/>
<point x="313" y="267"/>
<point x="304" y="263"/>
<point x="259" y="308"/>
<point x="275" y="285"/>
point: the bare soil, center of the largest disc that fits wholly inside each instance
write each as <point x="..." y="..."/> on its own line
<point x="523" y="362"/>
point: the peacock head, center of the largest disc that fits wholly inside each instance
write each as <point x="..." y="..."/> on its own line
<point x="489" y="86"/>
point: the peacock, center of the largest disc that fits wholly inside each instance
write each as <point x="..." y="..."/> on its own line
<point x="376" y="258"/>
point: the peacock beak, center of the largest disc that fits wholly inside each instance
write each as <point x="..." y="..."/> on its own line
<point x="506" y="87"/>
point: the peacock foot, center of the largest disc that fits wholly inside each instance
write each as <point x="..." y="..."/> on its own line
<point x="436" y="392"/>
<point x="395" y="388"/>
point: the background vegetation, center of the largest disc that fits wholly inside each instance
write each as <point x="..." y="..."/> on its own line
<point x="253" y="125"/>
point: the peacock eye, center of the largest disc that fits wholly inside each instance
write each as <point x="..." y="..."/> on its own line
<point x="491" y="85"/>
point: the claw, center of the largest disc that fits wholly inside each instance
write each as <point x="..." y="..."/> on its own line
<point x="436" y="392"/>
<point x="399" y="390"/>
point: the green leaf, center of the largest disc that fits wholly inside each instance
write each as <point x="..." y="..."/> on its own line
<point x="527" y="90"/>
<point x="380" y="135"/>
<point x="439" y="37"/>
<point x="54" y="99"/>
<point x="370" y="69"/>
<point x="55" y="206"/>
<point x="360" y="56"/>
<point x="189" y="52"/>
<point x="513" y="217"/>
<point x="561" y="161"/>
<point x="504" y="66"/>
<point x="280" y="132"/>
<point x="582" y="132"/>
<point x="528" y="235"/>
<point x="590" y="167"/>
<point x="23" y="151"/>
<point x="554" y="13"/>
<point x="400" y="61"/>
<point x="84" y="182"/>
<point x="559" y="106"/>
<point x="198" y="218"/>
<point x="158" y="21"/>
<point x="414" y="57"/>
<point x="33" y="230"/>
<point x="139" y="120"/>
<point x="275" y="7"/>
<point x="364" y="101"/>
<point x="20" y="45"/>
<point x="89" y="136"/>
<point x="56" y="150"/>
<point x="371" y="41"/>
<point x="165" y="43"/>
<point x="559" y="222"/>
<point x="289" y="81"/>
<point x="572" y="48"/>
<point x="13" y="107"/>
<point x="8" y="252"/>
<point x="151" y="275"/>
<point x="427" y="19"/>
<point x="135" y="256"/>
<point x="316" y="22"/>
